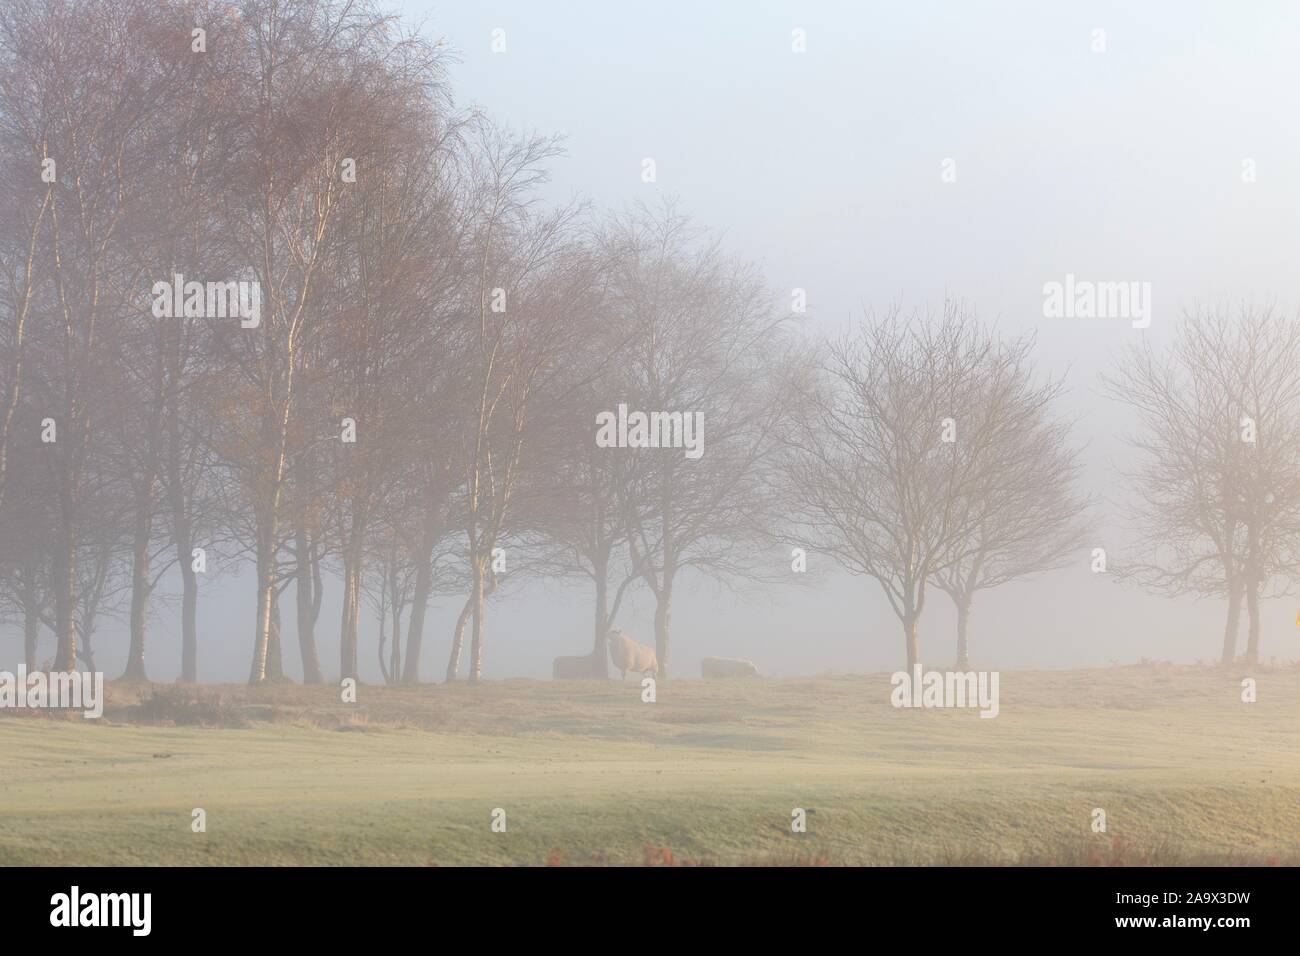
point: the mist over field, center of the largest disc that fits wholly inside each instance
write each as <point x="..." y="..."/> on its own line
<point x="825" y="169"/>
<point x="777" y="433"/>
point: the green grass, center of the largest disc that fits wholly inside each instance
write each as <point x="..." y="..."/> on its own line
<point x="711" y="771"/>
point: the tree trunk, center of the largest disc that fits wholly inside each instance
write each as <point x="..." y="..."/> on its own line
<point x="663" y="610"/>
<point x="395" y="656"/>
<point x="31" y="631"/>
<point x="351" y="615"/>
<point x="139" y="589"/>
<point x="1254" y="584"/>
<point x="458" y="640"/>
<point x="189" y="617"/>
<point x="435" y="523"/>
<point x="87" y="652"/>
<point x="184" y="541"/>
<point x="274" y="655"/>
<point x="303" y="590"/>
<point x="265" y="589"/>
<point x="910" y="622"/>
<point x="1252" y="639"/>
<point x="415" y="626"/>
<point x="600" y="649"/>
<point x="476" y="629"/>
<point x="65" y="612"/>
<point x="182" y="536"/>
<point x="1233" y="622"/>
<point x="963" y="621"/>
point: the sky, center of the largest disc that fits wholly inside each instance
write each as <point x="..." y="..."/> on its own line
<point x="825" y="167"/>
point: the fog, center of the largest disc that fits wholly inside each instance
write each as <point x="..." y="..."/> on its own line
<point x="826" y="168"/>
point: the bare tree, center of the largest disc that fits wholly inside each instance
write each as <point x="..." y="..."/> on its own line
<point x="75" y="106"/>
<point x="24" y="203"/>
<point x="579" y="504"/>
<point x="1217" y="481"/>
<point x="25" y="553"/>
<point x="182" y="236"/>
<point x="574" y="502"/>
<point x="1021" y="510"/>
<point x="372" y="352"/>
<point x="706" y="347"/>
<point x="880" y="482"/>
<point x="310" y="69"/>
<point x="533" y="272"/>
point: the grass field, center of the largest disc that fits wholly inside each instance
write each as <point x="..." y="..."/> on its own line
<point x="709" y="773"/>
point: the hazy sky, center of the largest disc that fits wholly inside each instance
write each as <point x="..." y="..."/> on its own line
<point x="825" y="167"/>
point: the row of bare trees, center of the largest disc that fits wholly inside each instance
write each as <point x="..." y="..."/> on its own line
<point x="402" y="393"/>
<point x="427" y="342"/>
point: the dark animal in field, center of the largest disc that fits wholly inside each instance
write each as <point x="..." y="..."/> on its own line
<point x="572" y="668"/>
<point x="714" y="668"/>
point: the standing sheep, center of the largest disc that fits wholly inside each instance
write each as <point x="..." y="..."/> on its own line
<point x="628" y="655"/>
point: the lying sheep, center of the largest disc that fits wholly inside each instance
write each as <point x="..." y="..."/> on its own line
<point x="572" y="668"/>
<point x="719" y="667"/>
<point x="628" y="655"/>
